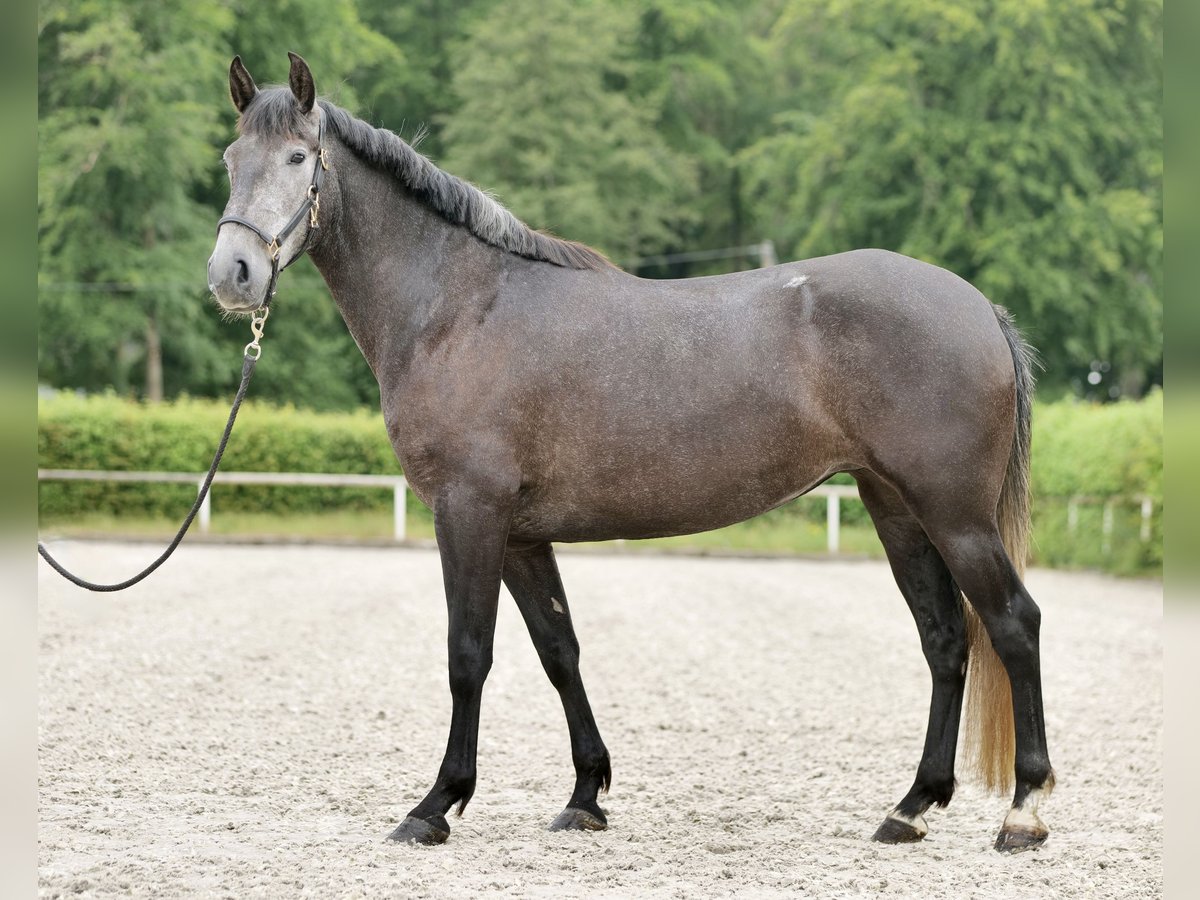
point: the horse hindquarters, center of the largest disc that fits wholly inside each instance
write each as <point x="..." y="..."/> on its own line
<point x="973" y="505"/>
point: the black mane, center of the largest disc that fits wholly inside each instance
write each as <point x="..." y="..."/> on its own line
<point x="274" y="112"/>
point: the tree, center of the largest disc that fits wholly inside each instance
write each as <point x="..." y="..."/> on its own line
<point x="353" y="62"/>
<point x="133" y="118"/>
<point x="409" y="98"/>
<point x="702" y="63"/>
<point x="546" y="120"/>
<point x="1017" y="144"/>
<point x="125" y="139"/>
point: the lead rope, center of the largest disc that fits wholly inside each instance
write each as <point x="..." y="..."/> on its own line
<point x="250" y="356"/>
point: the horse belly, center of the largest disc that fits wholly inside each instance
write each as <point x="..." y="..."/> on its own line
<point x="679" y="473"/>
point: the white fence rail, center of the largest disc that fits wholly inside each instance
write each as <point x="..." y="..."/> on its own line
<point x="310" y="479"/>
<point x="1109" y="505"/>
<point x="834" y="494"/>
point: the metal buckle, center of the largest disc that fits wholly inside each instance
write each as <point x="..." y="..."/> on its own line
<point x="273" y="248"/>
<point x="256" y="328"/>
<point x="323" y="155"/>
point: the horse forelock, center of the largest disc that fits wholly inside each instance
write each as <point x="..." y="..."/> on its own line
<point x="273" y="111"/>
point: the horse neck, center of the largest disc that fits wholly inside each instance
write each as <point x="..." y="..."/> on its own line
<point x="396" y="269"/>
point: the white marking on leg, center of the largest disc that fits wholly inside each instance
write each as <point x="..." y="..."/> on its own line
<point x="917" y="823"/>
<point x="797" y="281"/>
<point x="1025" y="817"/>
<point x="557" y="606"/>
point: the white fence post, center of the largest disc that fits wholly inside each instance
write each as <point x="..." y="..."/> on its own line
<point x="833" y="521"/>
<point x="1147" y="514"/>
<point x="400" y="509"/>
<point x="1106" y="528"/>
<point x="205" y="514"/>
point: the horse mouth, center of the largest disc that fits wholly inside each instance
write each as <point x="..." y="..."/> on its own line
<point x="235" y="309"/>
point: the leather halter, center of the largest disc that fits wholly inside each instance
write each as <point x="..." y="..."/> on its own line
<point x="311" y="206"/>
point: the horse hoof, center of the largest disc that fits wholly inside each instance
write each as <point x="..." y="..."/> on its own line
<point x="1014" y="840"/>
<point x="1023" y="829"/>
<point x="895" y="830"/>
<point x="572" y="819"/>
<point x="421" y="831"/>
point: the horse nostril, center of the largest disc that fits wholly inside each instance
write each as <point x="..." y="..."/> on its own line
<point x="243" y="272"/>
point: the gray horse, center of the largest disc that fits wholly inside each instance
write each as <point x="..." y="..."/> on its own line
<point x="534" y="392"/>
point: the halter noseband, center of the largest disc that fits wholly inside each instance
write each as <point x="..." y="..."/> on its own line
<point x="311" y="206"/>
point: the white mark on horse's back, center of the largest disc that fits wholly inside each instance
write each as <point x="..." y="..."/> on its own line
<point x="800" y="283"/>
<point x="558" y="607"/>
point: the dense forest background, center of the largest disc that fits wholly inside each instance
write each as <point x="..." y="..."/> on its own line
<point x="1016" y="142"/>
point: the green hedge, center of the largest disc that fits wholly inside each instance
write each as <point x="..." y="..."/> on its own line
<point x="1078" y="449"/>
<point x="105" y="432"/>
<point x="1102" y="451"/>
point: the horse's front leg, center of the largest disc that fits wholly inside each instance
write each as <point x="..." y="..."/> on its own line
<point x="471" y="528"/>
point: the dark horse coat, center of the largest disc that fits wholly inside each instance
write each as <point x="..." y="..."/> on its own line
<point x="534" y="392"/>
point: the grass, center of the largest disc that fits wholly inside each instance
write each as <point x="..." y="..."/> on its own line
<point x="777" y="533"/>
<point x="763" y="536"/>
<point x="336" y="524"/>
<point x="771" y="534"/>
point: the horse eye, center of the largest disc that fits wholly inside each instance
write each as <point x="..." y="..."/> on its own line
<point x="297" y="157"/>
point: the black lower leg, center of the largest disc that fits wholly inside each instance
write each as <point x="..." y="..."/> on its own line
<point x="936" y="606"/>
<point x="532" y="577"/>
<point x="1013" y="622"/>
<point x="472" y="557"/>
<point x="1015" y="635"/>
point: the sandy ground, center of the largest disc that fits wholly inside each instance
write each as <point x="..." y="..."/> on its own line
<point x="252" y="722"/>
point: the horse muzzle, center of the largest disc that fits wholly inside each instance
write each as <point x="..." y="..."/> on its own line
<point x="237" y="278"/>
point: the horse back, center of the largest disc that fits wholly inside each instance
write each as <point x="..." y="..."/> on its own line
<point x="632" y="408"/>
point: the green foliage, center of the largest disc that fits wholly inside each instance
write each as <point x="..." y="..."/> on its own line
<point x="126" y="133"/>
<point x="1080" y="449"/>
<point x="548" y="121"/>
<point x="1018" y="143"/>
<point x="702" y="62"/>
<point x="1058" y="544"/>
<point x="134" y="112"/>
<point x="425" y="31"/>
<point x="1097" y="452"/>
<point x="107" y="432"/>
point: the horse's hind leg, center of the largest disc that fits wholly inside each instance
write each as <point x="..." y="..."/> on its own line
<point x="936" y="605"/>
<point x="981" y="566"/>
<point x="531" y="576"/>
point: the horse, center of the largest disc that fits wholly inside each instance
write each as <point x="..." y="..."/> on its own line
<point x="535" y="392"/>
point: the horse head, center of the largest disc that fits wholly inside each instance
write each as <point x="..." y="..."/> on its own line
<point x="276" y="169"/>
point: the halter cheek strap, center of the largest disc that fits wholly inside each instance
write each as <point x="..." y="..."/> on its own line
<point x="310" y="207"/>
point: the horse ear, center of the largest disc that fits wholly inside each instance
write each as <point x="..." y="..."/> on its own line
<point x="301" y="81"/>
<point x="241" y="86"/>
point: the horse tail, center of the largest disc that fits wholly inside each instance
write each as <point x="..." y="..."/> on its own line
<point x="990" y="736"/>
<point x="1013" y="511"/>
